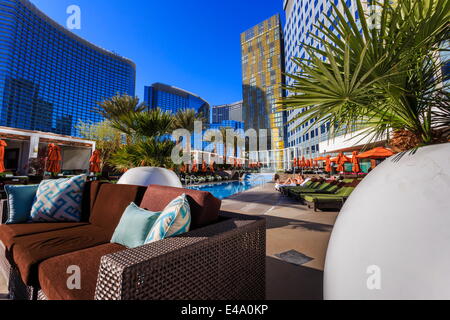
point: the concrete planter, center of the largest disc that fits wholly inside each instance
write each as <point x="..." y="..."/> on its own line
<point x="392" y="238"/>
<point x="145" y="176"/>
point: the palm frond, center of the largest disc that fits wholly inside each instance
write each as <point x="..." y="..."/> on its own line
<point x="379" y="77"/>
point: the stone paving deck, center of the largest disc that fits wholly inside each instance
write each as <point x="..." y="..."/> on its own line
<point x="290" y="226"/>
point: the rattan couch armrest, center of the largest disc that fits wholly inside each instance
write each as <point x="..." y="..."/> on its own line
<point x="223" y="261"/>
<point x="3" y="211"/>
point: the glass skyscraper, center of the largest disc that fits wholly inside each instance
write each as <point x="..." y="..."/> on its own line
<point x="262" y="74"/>
<point x="301" y="17"/>
<point x="50" y="78"/>
<point x="226" y="112"/>
<point x="263" y="78"/>
<point x="231" y="124"/>
<point x="172" y="99"/>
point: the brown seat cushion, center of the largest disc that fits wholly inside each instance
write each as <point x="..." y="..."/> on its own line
<point x="9" y="232"/>
<point x="204" y="206"/>
<point x="28" y="251"/>
<point x="110" y="204"/>
<point x="90" y="192"/>
<point x="53" y="272"/>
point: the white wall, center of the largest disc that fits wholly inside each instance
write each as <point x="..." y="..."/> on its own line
<point x="347" y="141"/>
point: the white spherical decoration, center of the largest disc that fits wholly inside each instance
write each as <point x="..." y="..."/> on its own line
<point x="146" y="176"/>
<point x="392" y="238"/>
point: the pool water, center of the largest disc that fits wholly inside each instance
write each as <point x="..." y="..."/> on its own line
<point x="227" y="189"/>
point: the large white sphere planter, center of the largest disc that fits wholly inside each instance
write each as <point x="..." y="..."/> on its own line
<point x="392" y="238"/>
<point x="146" y="176"/>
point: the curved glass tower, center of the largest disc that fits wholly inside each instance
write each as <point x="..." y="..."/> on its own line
<point x="50" y="78"/>
<point x="172" y="99"/>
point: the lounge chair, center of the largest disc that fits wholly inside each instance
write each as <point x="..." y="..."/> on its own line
<point x="324" y="187"/>
<point x="310" y="184"/>
<point x="330" y="201"/>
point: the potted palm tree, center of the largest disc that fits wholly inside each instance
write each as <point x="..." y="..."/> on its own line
<point x="386" y="78"/>
<point x="148" y="141"/>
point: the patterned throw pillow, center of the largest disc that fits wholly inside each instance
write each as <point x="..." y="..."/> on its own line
<point x="59" y="200"/>
<point x="174" y="220"/>
<point x="134" y="226"/>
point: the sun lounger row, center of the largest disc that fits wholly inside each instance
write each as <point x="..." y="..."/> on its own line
<point x="320" y="194"/>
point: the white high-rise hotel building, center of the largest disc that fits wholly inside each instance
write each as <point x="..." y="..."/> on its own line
<point x="301" y="17"/>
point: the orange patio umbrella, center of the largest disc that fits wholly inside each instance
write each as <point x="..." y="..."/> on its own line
<point x="204" y="166"/>
<point x="328" y="164"/>
<point x="53" y="158"/>
<point x="295" y="162"/>
<point x="320" y="159"/>
<point x="355" y="162"/>
<point x="2" y="156"/>
<point x="183" y="168"/>
<point x="95" y="162"/>
<point x="341" y="160"/>
<point x="194" y="167"/>
<point x="211" y="166"/>
<point x="303" y="162"/>
<point x="377" y="153"/>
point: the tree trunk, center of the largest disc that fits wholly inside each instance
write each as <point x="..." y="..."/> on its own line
<point x="404" y="140"/>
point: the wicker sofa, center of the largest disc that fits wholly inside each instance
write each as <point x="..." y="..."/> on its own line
<point x="222" y="257"/>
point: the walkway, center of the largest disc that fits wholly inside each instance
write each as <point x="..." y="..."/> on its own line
<point x="290" y="226"/>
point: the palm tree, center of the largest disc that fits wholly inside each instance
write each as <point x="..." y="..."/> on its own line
<point x="118" y="106"/>
<point x="382" y="79"/>
<point x="226" y="144"/>
<point x="185" y="119"/>
<point x="148" y="133"/>
<point x="118" y="109"/>
<point x="145" y="124"/>
<point x="150" y="152"/>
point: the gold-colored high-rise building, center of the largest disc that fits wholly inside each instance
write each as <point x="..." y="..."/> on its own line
<point x="262" y="74"/>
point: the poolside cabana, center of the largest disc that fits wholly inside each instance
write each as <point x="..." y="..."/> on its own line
<point x="26" y="151"/>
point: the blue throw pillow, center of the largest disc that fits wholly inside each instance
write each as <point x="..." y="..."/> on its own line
<point x="134" y="226"/>
<point x="20" y="199"/>
<point x="59" y="200"/>
<point x="173" y="221"/>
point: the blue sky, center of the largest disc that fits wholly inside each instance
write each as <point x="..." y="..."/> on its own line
<point x="193" y="44"/>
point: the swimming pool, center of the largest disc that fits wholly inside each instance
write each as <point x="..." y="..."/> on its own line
<point x="227" y="189"/>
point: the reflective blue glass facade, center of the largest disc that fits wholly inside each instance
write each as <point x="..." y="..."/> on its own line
<point x="50" y="79"/>
<point x="172" y="99"/>
<point x="225" y="112"/>
<point x="220" y="113"/>
<point x="236" y="125"/>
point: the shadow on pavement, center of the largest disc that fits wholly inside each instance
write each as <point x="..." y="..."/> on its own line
<point x="275" y="222"/>
<point x="285" y="281"/>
